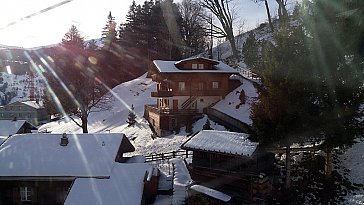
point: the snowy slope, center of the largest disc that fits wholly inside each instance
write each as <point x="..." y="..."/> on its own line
<point x="136" y="92"/>
<point x="19" y="86"/>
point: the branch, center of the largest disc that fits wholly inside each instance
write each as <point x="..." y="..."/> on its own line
<point x="78" y="124"/>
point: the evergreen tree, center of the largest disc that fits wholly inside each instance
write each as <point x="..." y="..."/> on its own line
<point x="207" y="125"/>
<point x="339" y="76"/>
<point x="283" y="113"/>
<point x="252" y="53"/>
<point x="131" y="117"/>
<point x="73" y="39"/>
<point x="109" y="34"/>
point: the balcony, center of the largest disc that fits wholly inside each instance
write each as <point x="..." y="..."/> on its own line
<point x="162" y="93"/>
<point x="168" y="111"/>
<point x="210" y="92"/>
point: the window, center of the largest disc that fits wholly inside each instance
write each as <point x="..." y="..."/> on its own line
<point x="181" y="86"/>
<point x="25" y="193"/>
<point x="200" y="66"/>
<point x="194" y="66"/>
<point x="215" y="85"/>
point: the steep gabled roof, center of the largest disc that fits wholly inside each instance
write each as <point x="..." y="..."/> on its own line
<point x="41" y="155"/>
<point x="221" y="141"/>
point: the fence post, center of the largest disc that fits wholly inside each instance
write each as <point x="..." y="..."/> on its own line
<point x="186" y="153"/>
<point x="174" y="154"/>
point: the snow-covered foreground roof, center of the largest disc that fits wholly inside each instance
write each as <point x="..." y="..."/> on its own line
<point x="211" y="192"/>
<point x="2" y="139"/>
<point x="124" y="187"/>
<point x="32" y="155"/>
<point x="170" y="67"/>
<point x="231" y="104"/>
<point x="10" y="127"/>
<point x="222" y="141"/>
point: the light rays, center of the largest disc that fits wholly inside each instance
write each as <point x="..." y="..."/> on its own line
<point x="49" y="88"/>
<point x="59" y="80"/>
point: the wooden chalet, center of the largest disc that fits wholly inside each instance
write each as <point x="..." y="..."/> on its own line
<point x="54" y="168"/>
<point x="229" y="161"/>
<point x="32" y="111"/>
<point x="184" y="89"/>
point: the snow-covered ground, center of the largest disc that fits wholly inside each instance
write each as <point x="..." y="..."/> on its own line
<point x="353" y="160"/>
<point x="137" y="93"/>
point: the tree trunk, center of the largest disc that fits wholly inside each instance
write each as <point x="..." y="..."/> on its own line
<point x="231" y="39"/>
<point x="269" y="17"/>
<point x="328" y="163"/>
<point x="84" y="124"/>
<point x="287" y="184"/>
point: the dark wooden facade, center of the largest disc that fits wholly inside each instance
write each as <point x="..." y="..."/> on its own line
<point x="230" y="173"/>
<point x="42" y="191"/>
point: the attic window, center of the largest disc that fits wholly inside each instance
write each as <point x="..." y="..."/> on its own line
<point x="199" y="66"/>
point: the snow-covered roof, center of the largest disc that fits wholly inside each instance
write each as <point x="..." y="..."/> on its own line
<point x="34" y="155"/>
<point x="10" y="127"/>
<point x="211" y="192"/>
<point x="3" y="138"/>
<point x="232" y="106"/>
<point x="124" y="187"/>
<point x="34" y="104"/>
<point x="222" y="141"/>
<point x="197" y="58"/>
<point x="170" y="67"/>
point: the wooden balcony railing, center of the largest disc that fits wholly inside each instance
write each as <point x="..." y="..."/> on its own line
<point x="162" y="93"/>
<point x="168" y="111"/>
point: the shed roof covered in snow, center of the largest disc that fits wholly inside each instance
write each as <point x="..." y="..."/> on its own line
<point x="11" y="127"/>
<point x="211" y="192"/>
<point x="124" y="187"/>
<point x="41" y="155"/>
<point x="174" y="66"/>
<point x="222" y="142"/>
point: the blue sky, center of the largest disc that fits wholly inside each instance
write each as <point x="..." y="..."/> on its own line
<point x="89" y="16"/>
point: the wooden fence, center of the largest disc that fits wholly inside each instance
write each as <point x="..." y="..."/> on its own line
<point x="168" y="155"/>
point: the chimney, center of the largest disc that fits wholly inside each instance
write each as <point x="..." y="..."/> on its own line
<point x="64" y="140"/>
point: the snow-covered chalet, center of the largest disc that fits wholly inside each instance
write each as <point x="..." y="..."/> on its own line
<point x="184" y="89"/>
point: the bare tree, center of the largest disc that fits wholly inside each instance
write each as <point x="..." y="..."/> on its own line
<point x="193" y="32"/>
<point x="282" y="12"/>
<point x="224" y="11"/>
<point x="73" y="87"/>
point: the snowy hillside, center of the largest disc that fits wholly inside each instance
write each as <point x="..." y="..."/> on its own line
<point x="136" y="93"/>
<point x="223" y="51"/>
<point x="16" y="87"/>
